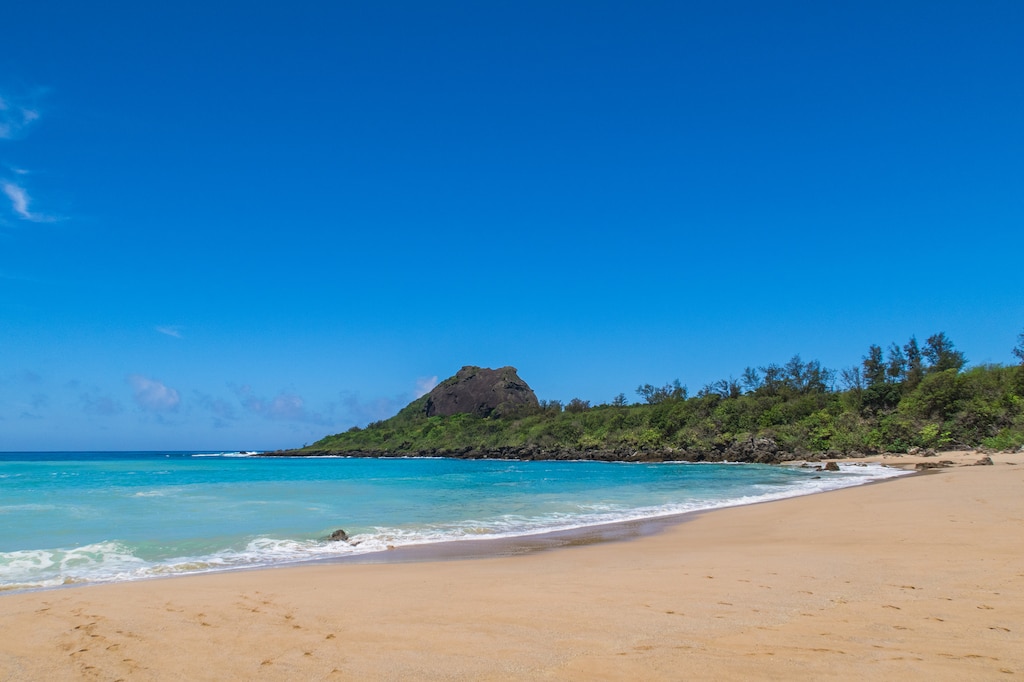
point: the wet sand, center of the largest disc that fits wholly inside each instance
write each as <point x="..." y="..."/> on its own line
<point x="919" y="577"/>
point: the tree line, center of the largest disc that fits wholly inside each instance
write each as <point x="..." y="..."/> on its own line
<point x="903" y="396"/>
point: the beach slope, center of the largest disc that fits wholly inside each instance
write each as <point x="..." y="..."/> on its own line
<point x="919" y="577"/>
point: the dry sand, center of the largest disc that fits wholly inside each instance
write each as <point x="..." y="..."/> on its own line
<point x="916" y="578"/>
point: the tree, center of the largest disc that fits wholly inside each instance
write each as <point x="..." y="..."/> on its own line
<point x="795" y="374"/>
<point x="817" y="379"/>
<point x="654" y="394"/>
<point x="880" y="394"/>
<point x="896" y="370"/>
<point x="620" y="400"/>
<point x="874" y="366"/>
<point x="1018" y="351"/>
<point x="751" y="379"/>
<point x="915" y="366"/>
<point x="723" y="388"/>
<point x="577" y="405"/>
<point x="941" y="354"/>
<point x="852" y="378"/>
<point x="773" y="379"/>
<point x="728" y="388"/>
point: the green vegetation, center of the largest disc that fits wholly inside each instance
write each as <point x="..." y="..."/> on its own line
<point x="893" y="400"/>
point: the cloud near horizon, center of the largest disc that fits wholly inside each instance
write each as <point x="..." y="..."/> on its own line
<point x="102" y="405"/>
<point x="365" y="411"/>
<point x="285" y="406"/>
<point x="222" y="411"/>
<point x="154" y="395"/>
<point x="425" y="385"/>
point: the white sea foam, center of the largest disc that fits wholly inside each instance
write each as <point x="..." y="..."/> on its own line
<point x="248" y="453"/>
<point x="115" y="561"/>
<point x="26" y="507"/>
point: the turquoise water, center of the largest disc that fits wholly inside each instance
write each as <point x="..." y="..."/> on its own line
<point x="68" y="518"/>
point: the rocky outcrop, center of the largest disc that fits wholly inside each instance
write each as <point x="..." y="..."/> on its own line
<point x="754" y="451"/>
<point x="935" y="465"/>
<point x="482" y="392"/>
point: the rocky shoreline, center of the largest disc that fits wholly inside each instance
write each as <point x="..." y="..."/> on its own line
<point x="755" y="451"/>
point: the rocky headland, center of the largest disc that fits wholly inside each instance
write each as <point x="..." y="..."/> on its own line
<point x="483" y="413"/>
<point x="480" y="392"/>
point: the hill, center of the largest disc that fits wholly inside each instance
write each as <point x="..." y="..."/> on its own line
<point x="911" y="398"/>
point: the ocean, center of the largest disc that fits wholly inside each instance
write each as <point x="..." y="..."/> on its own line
<point x="71" y="518"/>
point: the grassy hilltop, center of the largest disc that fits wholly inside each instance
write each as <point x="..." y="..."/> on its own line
<point x="907" y="397"/>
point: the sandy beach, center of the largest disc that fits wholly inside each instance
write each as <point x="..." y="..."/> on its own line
<point x="920" y="577"/>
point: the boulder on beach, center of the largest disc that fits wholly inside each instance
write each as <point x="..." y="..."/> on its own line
<point x="935" y="465"/>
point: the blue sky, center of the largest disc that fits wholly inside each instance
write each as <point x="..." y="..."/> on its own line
<point x="237" y="225"/>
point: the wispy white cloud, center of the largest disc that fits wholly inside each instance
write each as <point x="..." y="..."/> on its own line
<point x="18" y="197"/>
<point x="374" y="409"/>
<point x="222" y="411"/>
<point x="425" y="385"/>
<point x="17" y="113"/>
<point x="170" y="330"/>
<point x="154" y="395"/>
<point x="285" y="406"/>
<point x="20" y="202"/>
